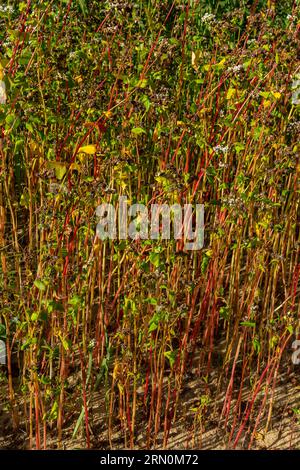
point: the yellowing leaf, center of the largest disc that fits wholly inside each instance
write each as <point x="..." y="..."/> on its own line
<point x="257" y="230"/>
<point x="60" y="172"/>
<point x="24" y="201"/>
<point x="89" y="149"/>
<point x="34" y="146"/>
<point x="64" y="343"/>
<point x="60" y="169"/>
<point x="75" y="166"/>
<point x="116" y="371"/>
<point x="142" y="83"/>
<point x="230" y="93"/>
<point x="221" y="64"/>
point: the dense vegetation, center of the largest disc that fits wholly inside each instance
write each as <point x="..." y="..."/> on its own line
<point x="184" y="101"/>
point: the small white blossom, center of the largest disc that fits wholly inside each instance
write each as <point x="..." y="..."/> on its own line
<point x="6" y="9"/>
<point x="236" y="69"/>
<point x="208" y="18"/>
<point x="221" y="149"/>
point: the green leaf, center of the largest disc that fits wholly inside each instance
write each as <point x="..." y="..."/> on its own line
<point x="154" y="259"/>
<point x="250" y="324"/>
<point x="65" y="344"/>
<point x="29" y="127"/>
<point x="142" y="83"/>
<point x="171" y="356"/>
<point x="256" y="345"/>
<point x="53" y="412"/>
<point x="75" y="300"/>
<point x="152" y="327"/>
<point x="146" y="102"/>
<point x="2" y="331"/>
<point x="10" y="119"/>
<point x="204" y="263"/>
<point x="39" y="284"/>
<point x="83" y="7"/>
<point x="151" y="301"/>
<point x="79" y="421"/>
<point x="265" y="94"/>
<point x="238" y="146"/>
<point x="24" y="200"/>
<point x="154" y="322"/>
<point x="138" y="130"/>
<point x="34" y="316"/>
<point x="224" y="312"/>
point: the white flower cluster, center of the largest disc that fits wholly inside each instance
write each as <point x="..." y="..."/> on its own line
<point x="223" y="165"/>
<point x="6" y="9"/>
<point x="221" y="149"/>
<point x="208" y="18"/>
<point x="236" y="69"/>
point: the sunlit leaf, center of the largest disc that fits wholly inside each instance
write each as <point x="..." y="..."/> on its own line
<point x="39" y="284"/>
<point x="88" y="149"/>
<point x="138" y="130"/>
